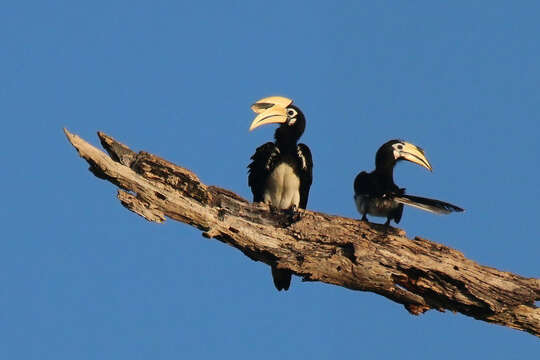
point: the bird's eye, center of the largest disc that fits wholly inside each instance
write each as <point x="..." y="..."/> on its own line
<point x="400" y="147"/>
<point x="291" y="112"/>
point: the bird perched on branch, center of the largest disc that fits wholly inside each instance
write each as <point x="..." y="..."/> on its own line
<point x="280" y="173"/>
<point x="376" y="194"/>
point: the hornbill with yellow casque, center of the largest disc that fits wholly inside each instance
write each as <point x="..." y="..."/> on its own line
<point x="376" y="194"/>
<point x="280" y="173"/>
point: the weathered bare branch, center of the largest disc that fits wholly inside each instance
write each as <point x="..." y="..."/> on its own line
<point x="417" y="273"/>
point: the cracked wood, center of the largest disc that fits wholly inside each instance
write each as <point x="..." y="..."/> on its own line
<point x="417" y="273"/>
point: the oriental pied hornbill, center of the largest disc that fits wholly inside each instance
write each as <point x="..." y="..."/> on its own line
<point x="281" y="171"/>
<point x="376" y="194"/>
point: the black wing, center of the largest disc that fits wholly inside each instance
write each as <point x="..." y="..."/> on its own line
<point x="305" y="168"/>
<point x="263" y="163"/>
<point x="362" y="184"/>
<point x="431" y="205"/>
<point x="375" y="186"/>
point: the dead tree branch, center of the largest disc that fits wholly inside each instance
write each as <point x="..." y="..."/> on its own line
<point x="417" y="273"/>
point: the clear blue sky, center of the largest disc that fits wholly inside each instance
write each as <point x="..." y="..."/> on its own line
<point x="82" y="278"/>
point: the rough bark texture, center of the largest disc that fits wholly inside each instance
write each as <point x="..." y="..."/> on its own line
<point x="418" y="273"/>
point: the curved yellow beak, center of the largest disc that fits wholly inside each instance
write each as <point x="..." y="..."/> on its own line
<point x="415" y="154"/>
<point x="270" y="110"/>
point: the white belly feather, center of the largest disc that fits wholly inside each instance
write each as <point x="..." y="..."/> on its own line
<point x="282" y="187"/>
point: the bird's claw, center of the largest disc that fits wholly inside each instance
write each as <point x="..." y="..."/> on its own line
<point x="293" y="214"/>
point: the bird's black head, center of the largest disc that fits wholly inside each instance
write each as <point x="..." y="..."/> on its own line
<point x="291" y="130"/>
<point x="277" y="109"/>
<point x="396" y="150"/>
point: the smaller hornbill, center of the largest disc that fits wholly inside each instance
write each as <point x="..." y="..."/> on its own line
<point x="280" y="173"/>
<point x="376" y="194"/>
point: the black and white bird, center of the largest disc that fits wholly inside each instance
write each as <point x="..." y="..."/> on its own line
<point x="280" y="173"/>
<point x="376" y="194"/>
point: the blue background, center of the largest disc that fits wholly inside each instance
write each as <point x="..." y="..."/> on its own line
<point x="82" y="278"/>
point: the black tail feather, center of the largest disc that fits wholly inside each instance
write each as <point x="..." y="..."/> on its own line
<point x="282" y="278"/>
<point x="431" y="205"/>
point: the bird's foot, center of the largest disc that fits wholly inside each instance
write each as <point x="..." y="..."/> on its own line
<point x="387" y="227"/>
<point x="392" y="230"/>
<point x="273" y="209"/>
<point x="293" y="214"/>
